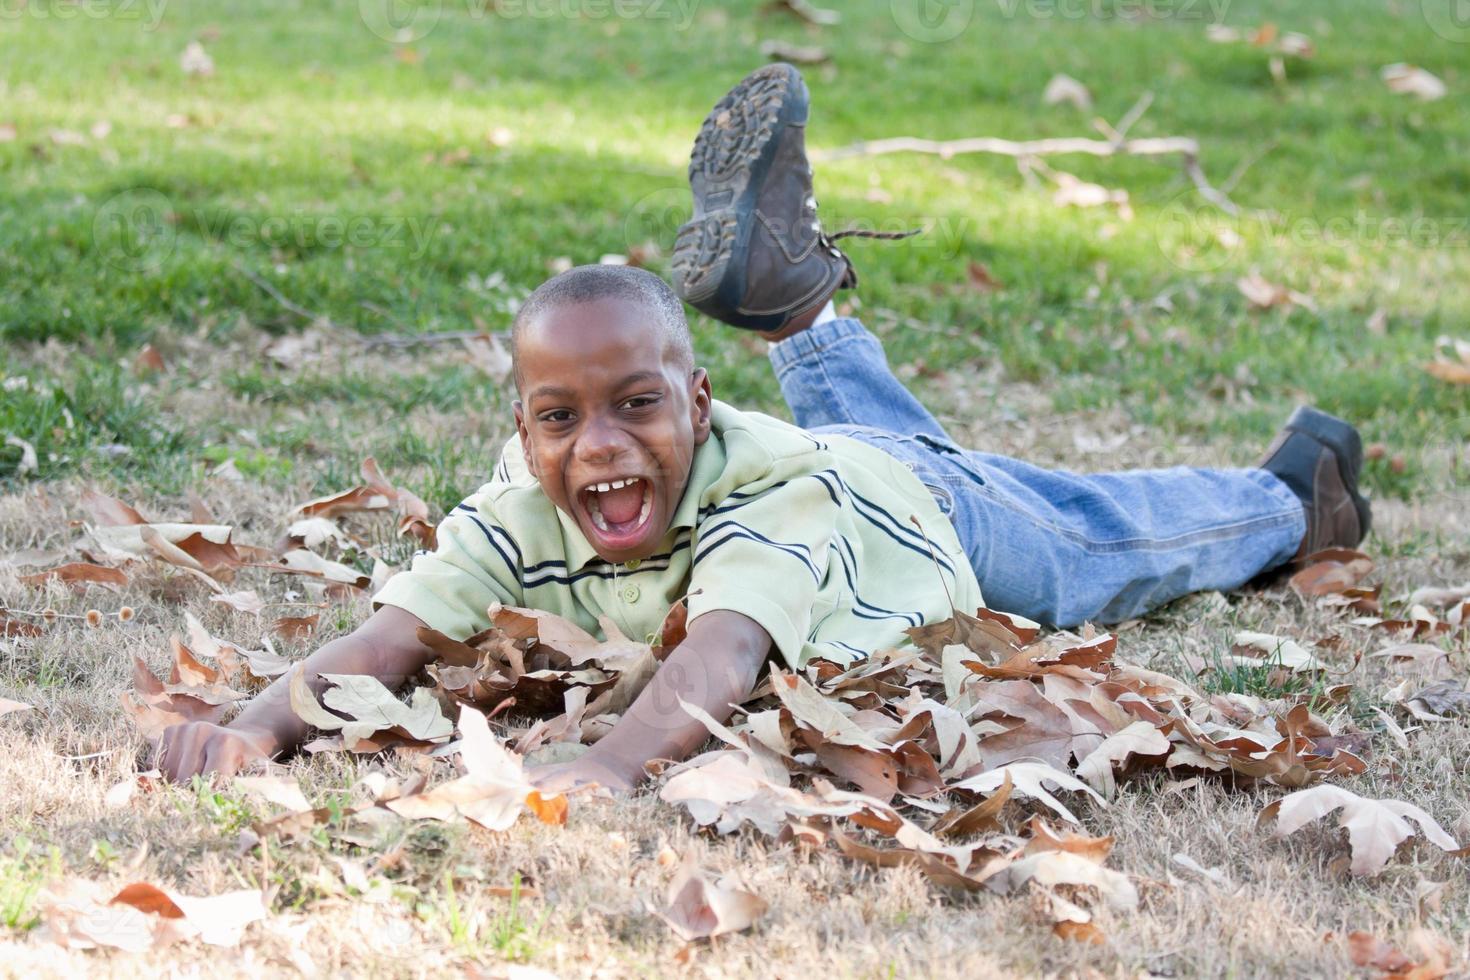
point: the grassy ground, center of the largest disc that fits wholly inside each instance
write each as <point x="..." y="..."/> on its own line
<point x="424" y="184"/>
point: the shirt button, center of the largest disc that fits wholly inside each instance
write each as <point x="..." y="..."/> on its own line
<point x="630" y="593"/>
<point x="632" y="564"/>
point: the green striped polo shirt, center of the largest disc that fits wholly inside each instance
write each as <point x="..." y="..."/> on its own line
<point x="811" y="535"/>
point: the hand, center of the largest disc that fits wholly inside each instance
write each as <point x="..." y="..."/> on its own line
<point x="198" y="747"/>
<point x="581" y="772"/>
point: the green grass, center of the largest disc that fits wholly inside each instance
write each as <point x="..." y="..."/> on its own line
<point x="356" y="176"/>
<point x="24" y="871"/>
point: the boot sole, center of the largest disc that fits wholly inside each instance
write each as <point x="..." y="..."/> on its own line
<point x="731" y="154"/>
<point x="1345" y="444"/>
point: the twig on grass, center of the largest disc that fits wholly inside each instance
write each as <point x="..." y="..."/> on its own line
<point x="394" y="341"/>
<point x="404" y="341"/>
<point x="1117" y="143"/>
<point x="802" y="10"/>
<point x="401" y="341"/>
<point x="286" y="302"/>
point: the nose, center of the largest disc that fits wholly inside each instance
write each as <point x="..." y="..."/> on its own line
<point x="601" y="442"/>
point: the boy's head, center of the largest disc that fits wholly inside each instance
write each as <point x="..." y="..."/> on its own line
<point x="610" y="406"/>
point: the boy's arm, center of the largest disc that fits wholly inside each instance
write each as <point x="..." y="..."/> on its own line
<point x="386" y="646"/>
<point x="716" y="667"/>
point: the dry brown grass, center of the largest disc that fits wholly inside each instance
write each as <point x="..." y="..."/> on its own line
<point x="593" y="884"/>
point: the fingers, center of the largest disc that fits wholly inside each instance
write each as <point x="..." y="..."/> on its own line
<point x="221" y="757"/>
<point x="179" y="752"/>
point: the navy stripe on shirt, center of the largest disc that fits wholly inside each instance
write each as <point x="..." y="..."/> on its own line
<point x="740" y="532"/>
<point x="514" y="566"/>
<point x="861" y="607"/>
<point x="603" y="570"/>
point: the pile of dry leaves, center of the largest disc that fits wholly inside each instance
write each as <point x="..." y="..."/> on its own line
<point x="972" y="755"/>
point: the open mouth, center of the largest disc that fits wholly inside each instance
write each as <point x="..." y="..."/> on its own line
<point x="619" y="510"/>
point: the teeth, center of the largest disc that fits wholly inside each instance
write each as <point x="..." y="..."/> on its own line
<point x="614" y="485"/>
<point x="594" y="509"/>
<point x="595" y="512"/>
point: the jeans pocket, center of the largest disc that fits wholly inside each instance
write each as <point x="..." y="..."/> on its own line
<point x="957" y="457"/>
<point x="942" y="495"/>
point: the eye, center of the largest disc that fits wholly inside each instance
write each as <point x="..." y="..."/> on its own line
<point x="555" y="416"/>
<point x="641" y="401"/>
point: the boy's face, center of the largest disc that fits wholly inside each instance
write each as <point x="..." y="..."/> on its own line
<point x="609" y="419"/>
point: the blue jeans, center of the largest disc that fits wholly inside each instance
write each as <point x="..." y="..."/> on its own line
<point x="1058" y="547"/>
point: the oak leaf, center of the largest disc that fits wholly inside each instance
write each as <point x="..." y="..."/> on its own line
<point x="701" y="906"/>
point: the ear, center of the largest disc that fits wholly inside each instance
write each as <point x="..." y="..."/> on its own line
<point x="700" y="403"/>
<point x="524" y="433"/>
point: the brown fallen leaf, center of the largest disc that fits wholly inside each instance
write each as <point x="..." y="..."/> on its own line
<point x="1441" y="700"/>
<point x="193" y="692"/>
<point x="413" y="513"/>
<point x="1452" y="363"/>
<point x="283" y="791"/>
<point x="79" y="574"/>
<point x="303" y="562"/>
<point x="794" y="53"/>
<point x="1333" y="571"/>
<point x="1375" y="827"/>
<point x="1435" y="956"/>
<point x="1045" y="838"/>
<point x="365" y="708"/>
<point x="702" y="907"/>
<point x="988" y="636"/>
<point x="803" y="10"/>
<point x="494" y="790"/>
<point x="1419" y="659"/>
<point x="121" y="793"/>
<point x="984" y="816"/>
<point x="980" y="279"/>
<point x="7" y="706"/>
<point x="1066" y="89"/>
<point x="354" y="501"/>
<point x="261" y="664"/>
<point x="1139" y="738"/>
<point x="295" y="628"/>
<point x="109" y="511"/>
<point x="141" y="916"/>
<point x="149" y="361"/>
<point x="247" y="601"/>
<point x="1265" y="295"/>
<point x="196" y="61"/>
<point x="1412" y="80"/>
<point x="1031" y="779"/>
<point x="17" y="627"/>
<point x="1073" y="191"/>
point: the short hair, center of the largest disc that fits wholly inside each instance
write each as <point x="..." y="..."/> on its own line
<point x="588" y="283"/>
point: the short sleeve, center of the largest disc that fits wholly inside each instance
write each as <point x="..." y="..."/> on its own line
<point x="476" y="562"/>
<point x="765" y="555"/>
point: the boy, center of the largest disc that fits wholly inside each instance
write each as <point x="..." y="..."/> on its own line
<point x="628" y="487"/>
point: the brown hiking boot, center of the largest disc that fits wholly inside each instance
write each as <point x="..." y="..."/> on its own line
<point x="754" y="254"/>
<point x="1320" y="457"/>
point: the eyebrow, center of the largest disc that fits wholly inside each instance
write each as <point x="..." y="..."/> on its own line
<point x="562" y="391"/>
